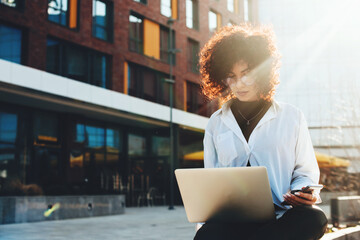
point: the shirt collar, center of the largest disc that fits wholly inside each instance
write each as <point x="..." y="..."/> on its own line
<point x="229" y="117"/>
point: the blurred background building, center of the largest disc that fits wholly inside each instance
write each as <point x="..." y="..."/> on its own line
<point x="319" y="42"/>
<point x="319" y="74"/>
<point x="83" y="106"/>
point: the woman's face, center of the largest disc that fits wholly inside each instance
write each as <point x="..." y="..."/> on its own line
<point x="241" y="83"/>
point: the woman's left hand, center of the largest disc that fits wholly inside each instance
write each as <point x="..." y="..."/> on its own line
<point x="300" y="198"/>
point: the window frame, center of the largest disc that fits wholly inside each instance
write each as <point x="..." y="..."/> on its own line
<point x="191" y="60"/>
<point x="141" y="1"/>
<point x="195" y="97"/>
<point x="161" y="8"/>
<point x="61" y="66"/>
<point x="139" y="42"/>
<point x="20" y="5"/>
<point x="67" y="16"/>
<point x="138" y="90"/>
<point x="23" y="46"/>
<point x="109" y="29"/>
<point x="169" y="46"/>
<point x="195" y="15"/>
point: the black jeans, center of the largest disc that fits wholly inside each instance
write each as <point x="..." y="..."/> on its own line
<point x="299" y="223"/>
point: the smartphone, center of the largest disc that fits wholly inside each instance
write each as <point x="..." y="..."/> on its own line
<point x="310" y="189"/>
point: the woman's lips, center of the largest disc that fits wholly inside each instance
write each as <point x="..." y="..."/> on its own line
<point x="241" y="93"/>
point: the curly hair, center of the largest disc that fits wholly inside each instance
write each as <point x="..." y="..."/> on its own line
<point x="255" y="45"/>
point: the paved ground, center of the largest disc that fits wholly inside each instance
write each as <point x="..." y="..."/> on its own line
<point x="137" y="223"/>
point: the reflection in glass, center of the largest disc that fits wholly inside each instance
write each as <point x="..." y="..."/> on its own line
<point x="100" y="20"/>
<point x="160" y="146"/>
<point x="137" y="145"/>
<point x="113" y="138"/>
<point x="45" y="127"/>
<point x="75" y="63"/>
<point x="189" y="13"/>
<point x="246" y="11"/>
<point x="57" y="11"/>
<point x="99" y="70"/>
<point x="8" y="127"/>
<point x="166" y="8"/>
<point x="52" y="56"/>
<point x="230" y="5"/>
<point x="212" y="21"/>
<point x="10" y="44"/>
<point x="10" y="3"/>
<point x="96" y="136"/>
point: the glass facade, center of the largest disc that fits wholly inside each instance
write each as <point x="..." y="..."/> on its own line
<point x="10" y="43"/>
<point x="102" y="20"/>
<point x="77" y="63"/>
<point x="50" y="153"/>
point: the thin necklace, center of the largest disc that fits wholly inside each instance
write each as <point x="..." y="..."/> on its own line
<point x="248" y="120"/>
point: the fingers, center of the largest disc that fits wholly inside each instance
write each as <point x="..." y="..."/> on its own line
<point x="289" y="199"/>
<point x="299" y="199"/>
<point x="306" y="198"/>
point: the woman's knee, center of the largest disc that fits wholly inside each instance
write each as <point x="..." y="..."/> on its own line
<point x="311" y="220"/>
<point x="211" y="231"/>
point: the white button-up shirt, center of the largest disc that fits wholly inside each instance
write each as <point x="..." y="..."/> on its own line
<point x="280" y="142"/>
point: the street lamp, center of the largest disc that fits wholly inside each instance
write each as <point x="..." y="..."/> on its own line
<point x="171" y="204"/>
<point x="169" y="80"/>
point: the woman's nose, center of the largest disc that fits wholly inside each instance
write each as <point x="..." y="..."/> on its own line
<point x="239" y="83"/>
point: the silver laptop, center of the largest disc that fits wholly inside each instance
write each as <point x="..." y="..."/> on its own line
<point x="226" y="194"/>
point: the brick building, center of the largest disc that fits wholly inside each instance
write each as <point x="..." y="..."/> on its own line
<point x="84" y="108"/>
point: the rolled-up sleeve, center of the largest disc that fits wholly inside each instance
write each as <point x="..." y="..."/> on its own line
<point x="210" y="155"/>
<point x="306" y="169"/>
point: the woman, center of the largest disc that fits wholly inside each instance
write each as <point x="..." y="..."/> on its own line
<point x="239" y="66"/>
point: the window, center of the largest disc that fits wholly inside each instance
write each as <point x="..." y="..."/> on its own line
<point x="247" y="11"/>
<point x="136" y="34"/>
<point x="137" y="145"/>
<point x="9" y="160"/>
<point x="8" y="128"/>
<point x="102" y="20"/>
<point x="230" y="5"/>
<point x="12" y="3"/>
<point x="147" y="84"/>
<point x="168" y="8"/>
<point x="193" y="56"/>
<point x="165" y="45"/>
<point x="195" y="101"/>
<point x="214" y="22"/>
<point x="63" y="12"/>
<point x="10" y="43"/>
<point x="192" y="16"/>
<point x="78" y="63"/>
<point x="45" y="127"/>
<point x="100" y="145"/>
<point x="141" y="1"/>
